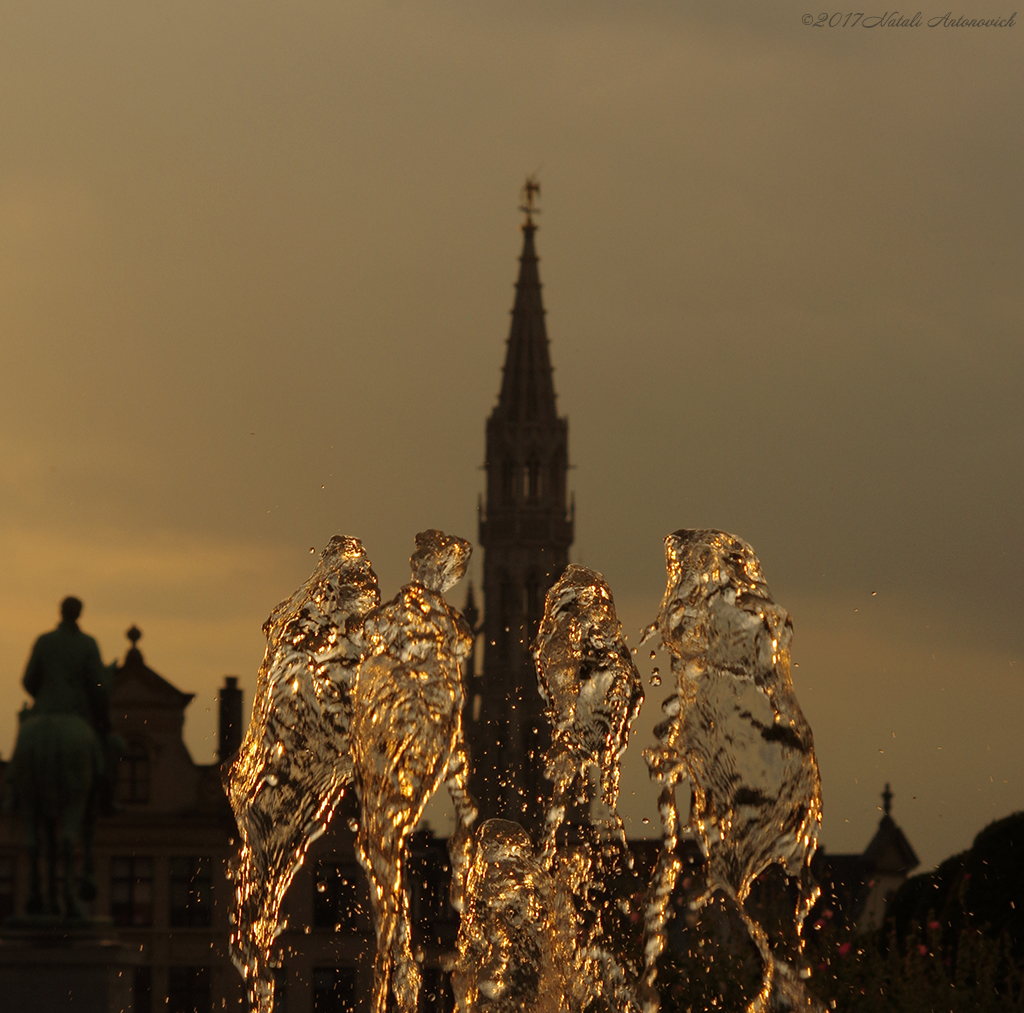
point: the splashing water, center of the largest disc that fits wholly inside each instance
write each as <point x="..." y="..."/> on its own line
<point x="295" y="760"/>
<point x="736" y="733"/>
<point x="352" y="692"/>
<point x="517" y="937"/>
<point x="407" y="739"/>
<point x="593" y="692"/>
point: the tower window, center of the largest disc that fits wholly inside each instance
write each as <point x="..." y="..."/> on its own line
<point x="506" y="611"/>
<point x="508" y="482"/>
<point x="533" y="479"/>
<point x="556" y="484"/>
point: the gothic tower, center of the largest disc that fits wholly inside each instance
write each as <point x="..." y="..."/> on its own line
<point x="526" y="528"/>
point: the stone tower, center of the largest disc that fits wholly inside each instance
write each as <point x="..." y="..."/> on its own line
<point x="526" y="528"/>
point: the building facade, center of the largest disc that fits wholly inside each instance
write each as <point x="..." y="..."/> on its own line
<point x="159" y="859"/>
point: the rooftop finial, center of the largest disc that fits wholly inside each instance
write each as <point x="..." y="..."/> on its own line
<point x="887" y="799"/>
<point x="133" y="635"/>
<point x="531" y="190"/>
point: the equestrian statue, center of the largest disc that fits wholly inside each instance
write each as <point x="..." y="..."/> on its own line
<point x="61" y="771"/>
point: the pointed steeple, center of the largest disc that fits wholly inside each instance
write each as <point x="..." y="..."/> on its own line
<point x="889" y="850"/>
<point x="527" y="386"/>
<point x="526" y="529"/>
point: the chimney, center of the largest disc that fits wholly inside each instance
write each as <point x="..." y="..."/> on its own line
<point x="230" y="731"/>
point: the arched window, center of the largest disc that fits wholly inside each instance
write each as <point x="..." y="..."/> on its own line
<point x="507" y="611"/>
<point x="508" y="481"/>
<point x="533" y="479"/>
<point x="556" y="483"/>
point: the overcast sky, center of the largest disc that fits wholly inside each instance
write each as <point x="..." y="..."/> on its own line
<point x="256" y="263"/>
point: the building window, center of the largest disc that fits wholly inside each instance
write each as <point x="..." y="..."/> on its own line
<point x="131" y="891"/>
<point x="341" y="897"/>
<point x="508" y="482"/>
<point x="334" y="990"/>
<point x="556" y="484"/>
<point x="280" y="989"/>
<point x="188" y="990"/>
<point x="429" y="878"/>
<point x="133" y="775"/>
<point x="142" y="989"/>
<point x="191" y="892"/>
<point x="533" y="479"/>
<point x="6" y="888"/>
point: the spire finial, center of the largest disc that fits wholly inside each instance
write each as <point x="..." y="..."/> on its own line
<point x="134" y="634"/>
<point x="531" y="190"/>
<point x="887" y="799"/>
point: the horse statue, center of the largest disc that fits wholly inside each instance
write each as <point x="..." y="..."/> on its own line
<point x="59" y="767"/>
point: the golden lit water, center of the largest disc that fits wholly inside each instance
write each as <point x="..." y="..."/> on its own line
<point x="735" y="732"/>
<point x="358" y="695"/>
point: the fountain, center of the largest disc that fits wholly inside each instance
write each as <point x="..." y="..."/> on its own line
<point x="355" y="695"/>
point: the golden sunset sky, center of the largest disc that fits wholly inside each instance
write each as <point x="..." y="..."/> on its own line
<point x="256" y="263"/>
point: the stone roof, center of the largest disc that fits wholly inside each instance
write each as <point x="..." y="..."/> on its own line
<point x="134" y="680"/>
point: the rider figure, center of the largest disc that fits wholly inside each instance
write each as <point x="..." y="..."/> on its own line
<point x="59" y="769"/>
<point x="65" y="674"/>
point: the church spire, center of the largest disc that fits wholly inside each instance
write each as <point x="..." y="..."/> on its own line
<point x="527" y="386"/>
<point x="526" y="530"/>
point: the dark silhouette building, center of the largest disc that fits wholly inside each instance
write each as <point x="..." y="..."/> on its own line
<point x="159" y="861"/>
<point x="526" y="528"/>
<point x="856" y="889"/>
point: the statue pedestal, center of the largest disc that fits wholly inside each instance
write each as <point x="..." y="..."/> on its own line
<point x="48" y="965"/>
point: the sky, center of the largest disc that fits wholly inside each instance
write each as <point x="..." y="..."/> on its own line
<point x="256" y="265"/>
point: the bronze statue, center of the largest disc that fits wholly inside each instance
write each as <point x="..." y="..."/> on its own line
<point x="58" y="770"/>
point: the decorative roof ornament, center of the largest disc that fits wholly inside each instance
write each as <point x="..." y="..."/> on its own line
<point x="530" y="191"/>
